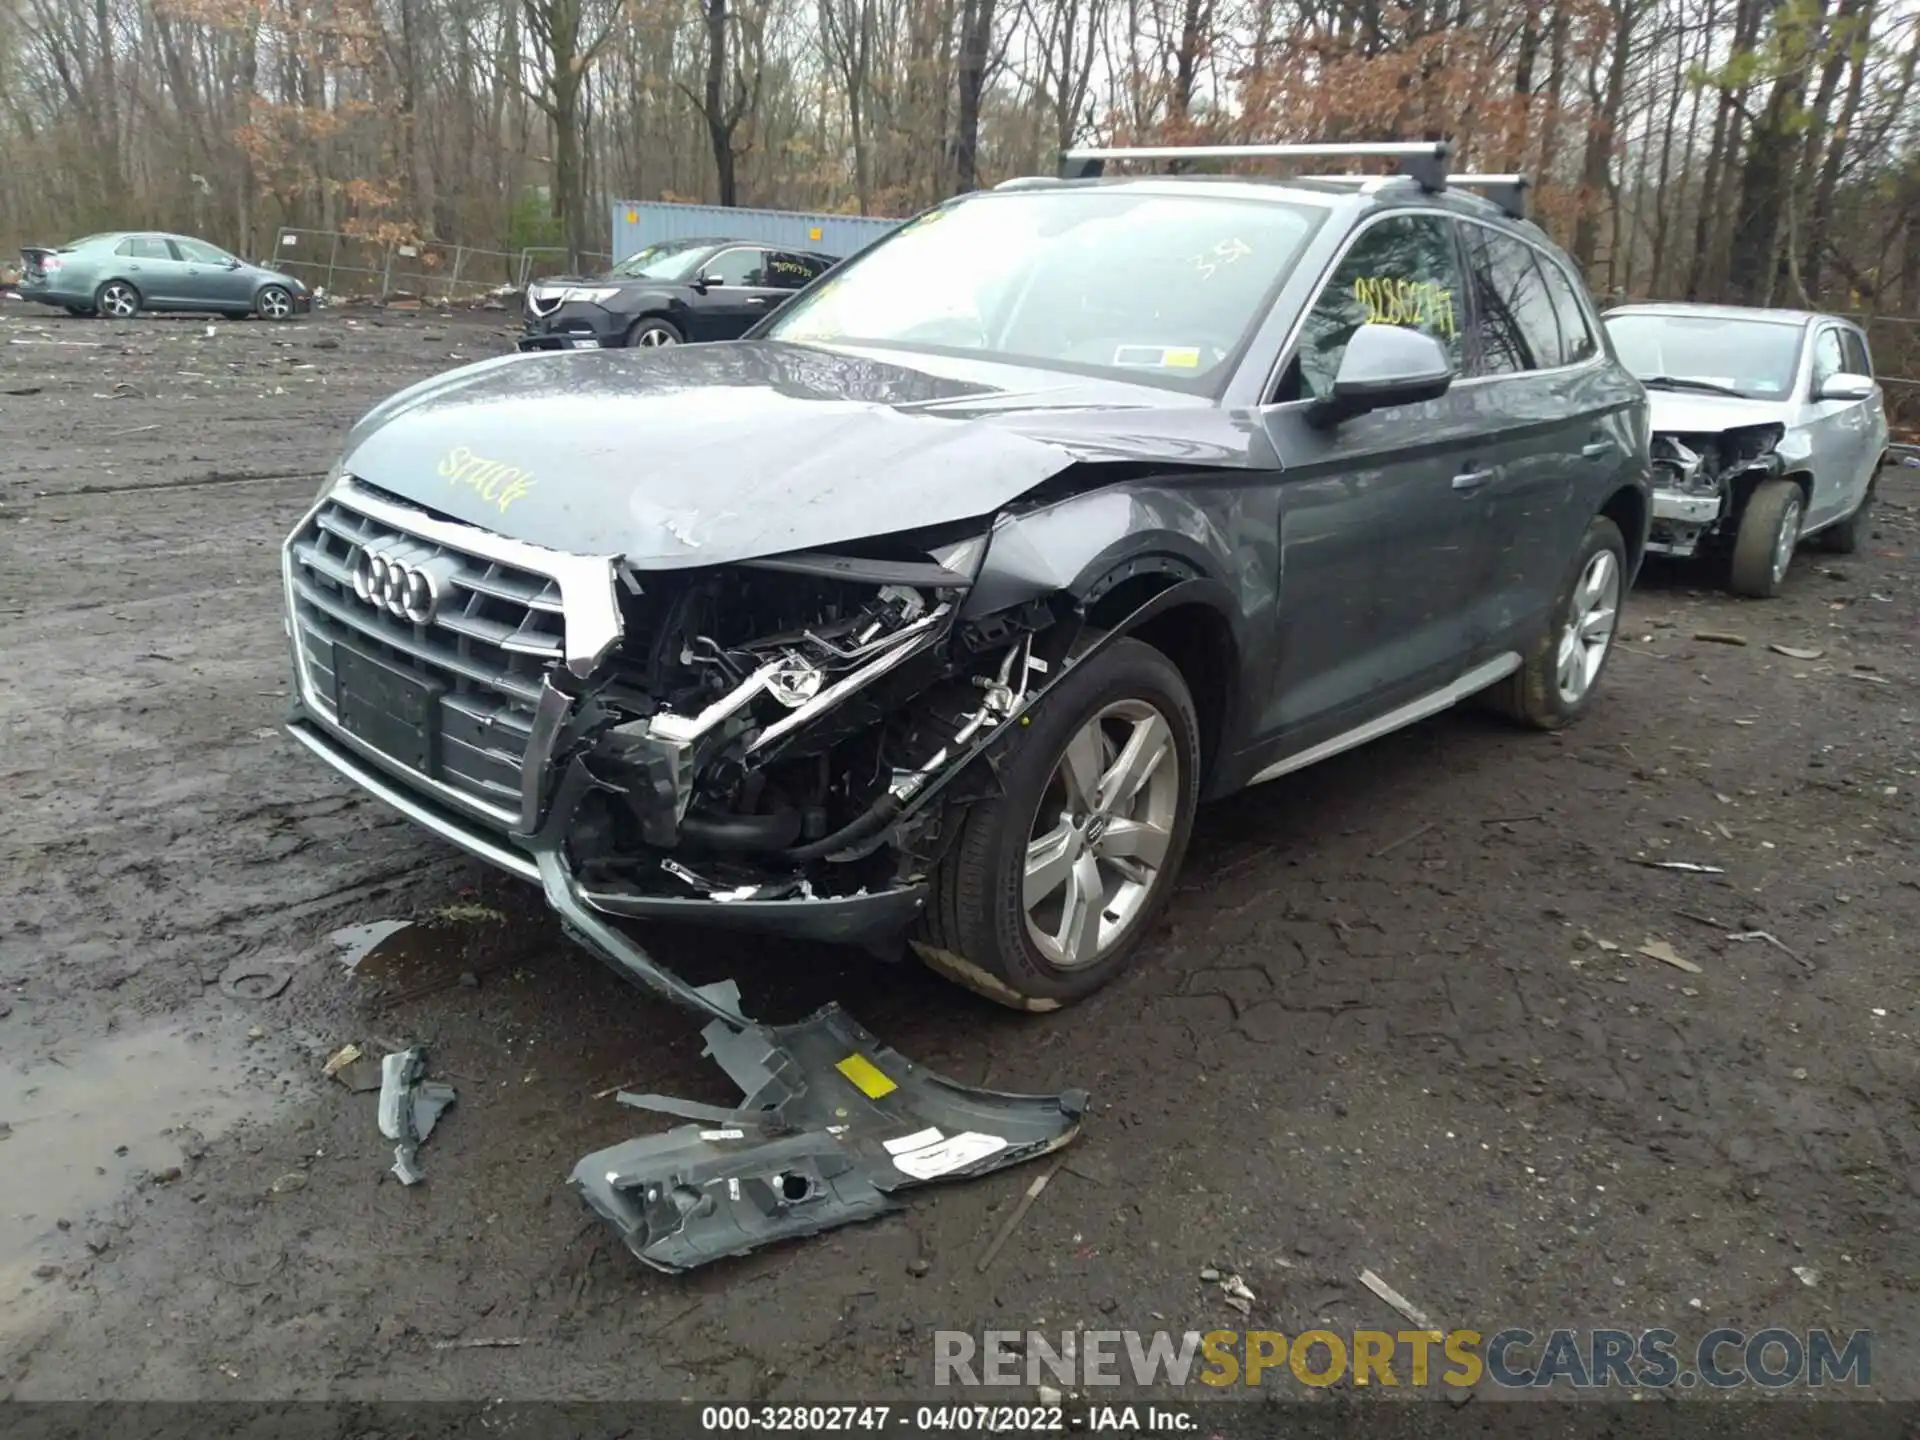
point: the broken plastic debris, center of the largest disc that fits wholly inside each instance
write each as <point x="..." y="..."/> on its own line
<point x="410" y="1105"/>
<point x="1798" y="652"/>
<point x="831" y="1125"/>
<point x="1686" y="865"/>
<point x="1660" y="950"/>
<point x="1807" y="1275"/>
<point x="340" y="1059"/>
<point x="1237" y="1293"/>
<point x="1394" y="1298"/>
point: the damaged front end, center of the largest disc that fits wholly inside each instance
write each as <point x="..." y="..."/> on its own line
<point x="1701" y="483"/>
<point x="755" y="743"/>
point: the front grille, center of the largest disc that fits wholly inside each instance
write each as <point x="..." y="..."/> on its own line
<point x="498" y="629"/>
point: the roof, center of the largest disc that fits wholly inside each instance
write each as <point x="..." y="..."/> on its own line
<point x="1759" y="314"/>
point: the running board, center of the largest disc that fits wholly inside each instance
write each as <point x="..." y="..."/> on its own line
<point x="1471" y="683"/>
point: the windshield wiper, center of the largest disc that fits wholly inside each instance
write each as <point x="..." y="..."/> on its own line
<point x="1676" y="382"/>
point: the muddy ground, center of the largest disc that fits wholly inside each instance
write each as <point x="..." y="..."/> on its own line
<point x="1395" y="1018"/>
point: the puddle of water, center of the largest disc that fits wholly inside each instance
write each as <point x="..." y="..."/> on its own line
<point x="155" y="1094"/>
<point x="356" y="942"/>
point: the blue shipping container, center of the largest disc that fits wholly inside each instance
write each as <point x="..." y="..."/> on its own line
<point x="640" y="223"/>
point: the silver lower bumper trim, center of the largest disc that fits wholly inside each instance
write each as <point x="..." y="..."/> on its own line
<point x="1686" y="509"/>
<point x="409" y="805"/>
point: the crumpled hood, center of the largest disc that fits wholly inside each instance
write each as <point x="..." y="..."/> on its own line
<point x="705" y="454"/>
<point x="1675" y="412"/>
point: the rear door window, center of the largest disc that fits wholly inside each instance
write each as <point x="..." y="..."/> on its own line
<point x="1577" y="340"/>
<point x="144" y="247"/>
<point x="788" y="271"/>
<point x="1403" y="270"/>
<point x="1514" y="320"/>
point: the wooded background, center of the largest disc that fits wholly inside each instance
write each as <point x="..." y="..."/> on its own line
<point x="1756" y="150"/>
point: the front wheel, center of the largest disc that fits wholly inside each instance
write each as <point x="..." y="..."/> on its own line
<point x="652" y="333"/>
<point x="1763" y="546"/>
<point x="117" y="300"/>
<point x="1561" y="670"/>
<point x="274" y="302"/>
<point x="1051" y="885"/>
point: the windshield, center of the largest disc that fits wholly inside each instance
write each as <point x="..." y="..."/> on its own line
<point x="669" y="260"/>
<point x="1755" y="359"/>
<point x="1160" y="288"/>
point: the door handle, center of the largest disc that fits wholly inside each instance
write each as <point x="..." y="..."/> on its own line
<point x="1471" y="480"/>
<point x="1597" y="450"/>
<point x="756" y="299"/>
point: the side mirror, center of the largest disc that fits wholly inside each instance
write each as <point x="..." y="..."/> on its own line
<point x="1846" y="387"/>
<point x="1383" y="366"/>
<point x="706" y="280"/>
<point x="231" y="263"/>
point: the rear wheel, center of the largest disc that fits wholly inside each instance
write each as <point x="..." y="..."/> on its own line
<point x="274" y="302"/>
<point x="653" y="332"/>
<point x="1559" y="674"/>
<point x="1763" y="546"/>
<point x="117" y="300"/>
<point x="1051" y="885"/>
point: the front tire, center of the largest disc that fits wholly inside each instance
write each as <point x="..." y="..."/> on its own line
<point x="1763" y="546"/>
<point x="1559" y="674"/>
<point x="652" y="332"/>
<point x="117" y="300"/>
<point x="274" y="302"/>
<point x="1051" y="885"/>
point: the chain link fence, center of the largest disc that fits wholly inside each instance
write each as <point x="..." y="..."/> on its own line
<point x="346" y="264"/>
<point x="538" y="262"/>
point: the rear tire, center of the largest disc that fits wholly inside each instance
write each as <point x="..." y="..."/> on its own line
<point x="1050" y="886"/>
<point x="651" y="332"/>
<point x="117" y="300"/>
<point x="1845" y="538"/>
<point x="1561" y="671"/>
<point x="1763" y="547"/>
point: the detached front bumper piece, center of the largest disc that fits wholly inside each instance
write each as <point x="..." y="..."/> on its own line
<point x="832" y="1125"/>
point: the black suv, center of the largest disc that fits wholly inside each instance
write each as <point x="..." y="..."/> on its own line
<point x="669" y="294"/>
<point x="931" y="610"/>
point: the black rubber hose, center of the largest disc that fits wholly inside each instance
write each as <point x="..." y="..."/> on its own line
<point x="751" y="834"/>
<point x="875" y="818"/>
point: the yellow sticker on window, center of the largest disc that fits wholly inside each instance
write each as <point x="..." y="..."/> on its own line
<point x="868" y="1078"/>
<point x="1182" y="359"/>
<point x="814" y="233"/>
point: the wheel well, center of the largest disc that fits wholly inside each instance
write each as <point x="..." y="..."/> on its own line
<point x="1628" y="509"/>
<point x="1195" y="637"/>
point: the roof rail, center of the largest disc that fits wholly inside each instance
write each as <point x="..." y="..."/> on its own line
<point x="1027" y="182"/>
<point x="1509" y="192"/>
<point x="1425" y="161"/>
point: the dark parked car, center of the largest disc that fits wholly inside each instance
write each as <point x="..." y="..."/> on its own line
<point x="934" y="607"/>
<point x="669" y="294"/>
<point x="120" y="273"/>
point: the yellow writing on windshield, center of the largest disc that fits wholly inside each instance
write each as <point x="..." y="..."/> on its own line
<point x="1406" y="302"/>
<point x="493" y="481"/>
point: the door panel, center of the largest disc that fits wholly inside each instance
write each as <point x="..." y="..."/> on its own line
<point x="741" y="297"/>
<point x="211" y="279"/>
<point x="147" y="261"/>
<point x="1836" y="431"/>
<point x="1380" y="517"/>
<point x="1556" y="428"/>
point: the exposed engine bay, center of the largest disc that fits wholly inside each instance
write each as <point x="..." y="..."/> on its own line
<point x="763" y="728"/>
<point x="1701" y="483"/>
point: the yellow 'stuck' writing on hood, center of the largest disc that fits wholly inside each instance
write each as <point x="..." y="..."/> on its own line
<point x="494" y="482"/>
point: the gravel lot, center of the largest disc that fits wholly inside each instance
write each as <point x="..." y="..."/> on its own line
<point x="1395" y="1019"/>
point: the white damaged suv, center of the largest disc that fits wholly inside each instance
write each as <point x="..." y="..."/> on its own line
<point x="1768" y="429"/>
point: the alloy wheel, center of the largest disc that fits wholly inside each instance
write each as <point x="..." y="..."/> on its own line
<point x="275" y="303"/>
<point x="653" y="337"/>
<point x="1591" y="618"/>
<point x="1097" y="848"/>
<point x="118" y="301"/>
<point x="1786" y="540"/>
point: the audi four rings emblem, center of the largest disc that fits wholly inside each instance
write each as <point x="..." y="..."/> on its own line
<point x="405" y="589"/>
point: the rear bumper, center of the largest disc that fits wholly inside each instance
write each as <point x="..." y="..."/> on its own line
<point x="852" y="919"/>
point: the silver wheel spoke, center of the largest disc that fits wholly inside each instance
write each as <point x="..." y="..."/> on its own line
<point x="1596" y="624"/>
<point x="1144" y="750"/>
<point x="1078" y="938"/>
<point x="1080" y="766"/>
<point x="1049" y="861"/>
<point x="1136" y="840"/>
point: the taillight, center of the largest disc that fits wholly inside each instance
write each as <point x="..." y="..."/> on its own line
<point x="50" y="262"/>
